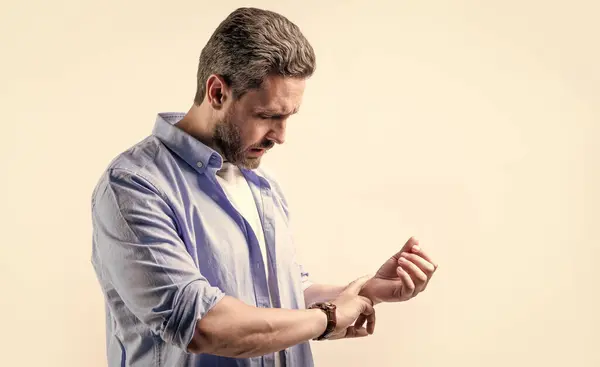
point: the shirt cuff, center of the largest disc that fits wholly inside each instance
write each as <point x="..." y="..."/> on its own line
<point x="194" y="301"/>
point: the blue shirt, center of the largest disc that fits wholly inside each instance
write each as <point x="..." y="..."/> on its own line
<point x="168" y="245"/>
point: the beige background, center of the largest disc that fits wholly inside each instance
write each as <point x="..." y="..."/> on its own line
<point x="473" y="125"/>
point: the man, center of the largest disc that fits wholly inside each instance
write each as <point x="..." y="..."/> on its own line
<point x="191" y="241"/>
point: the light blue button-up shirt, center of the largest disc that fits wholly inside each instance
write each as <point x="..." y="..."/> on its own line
<point x="168" y="245"/>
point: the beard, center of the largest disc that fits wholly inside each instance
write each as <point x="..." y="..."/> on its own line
<point x="228" y="139"/>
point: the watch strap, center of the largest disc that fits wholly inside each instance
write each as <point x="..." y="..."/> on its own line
<point x="330" y="310"/>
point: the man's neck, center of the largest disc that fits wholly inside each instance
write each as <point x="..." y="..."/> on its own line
<point x="198" y="123"/>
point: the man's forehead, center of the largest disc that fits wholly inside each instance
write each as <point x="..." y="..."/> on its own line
<point x="278" y="109"/>
<point x="280" y="94"/>
<point x="269" y="103"/>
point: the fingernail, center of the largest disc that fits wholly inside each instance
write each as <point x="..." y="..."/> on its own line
<point x="403" y="259"/>
<point x="403" y="255"/>
<point x="416" y="248"/>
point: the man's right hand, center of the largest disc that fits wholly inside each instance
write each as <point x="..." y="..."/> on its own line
<point x="350" y="306"/>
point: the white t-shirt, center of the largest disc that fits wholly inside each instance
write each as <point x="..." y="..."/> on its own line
<point x="239" y="193"/>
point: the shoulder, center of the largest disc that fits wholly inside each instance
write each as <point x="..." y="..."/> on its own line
<point x="133" y="170"/>
<point x="138" y="158"/>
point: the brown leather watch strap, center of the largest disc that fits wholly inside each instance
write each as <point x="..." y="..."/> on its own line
<point x="329" y="309"/>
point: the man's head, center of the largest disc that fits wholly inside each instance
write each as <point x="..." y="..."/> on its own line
<point x="251" y="77"/>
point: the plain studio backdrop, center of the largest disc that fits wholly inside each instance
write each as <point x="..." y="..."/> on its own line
<point x="472" y="125"/>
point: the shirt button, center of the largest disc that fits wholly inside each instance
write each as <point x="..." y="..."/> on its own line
<point x="199" y="164"/>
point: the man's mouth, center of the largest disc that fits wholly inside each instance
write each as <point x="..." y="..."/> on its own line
<point x="257" y="151"/>
<point x="261" y="149"/>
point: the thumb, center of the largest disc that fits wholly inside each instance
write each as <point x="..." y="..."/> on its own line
<point x="356" y="286"/>
<point x="407" y="246"/>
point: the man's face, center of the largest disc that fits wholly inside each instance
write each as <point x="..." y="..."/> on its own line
<point x="254" y="123"/>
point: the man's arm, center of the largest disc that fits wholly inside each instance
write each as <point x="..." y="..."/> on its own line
<point x="234" y="329"/>
<point x="325" y="292"/>
<point x="321" y="293"/>
<point x="139" y="255"/>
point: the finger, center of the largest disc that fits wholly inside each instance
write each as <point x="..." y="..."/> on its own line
<point x="417" y="275"/>
<point x="408" y="286"/>
<point x="349" y="332"/>
<point x="367" y="305"/>
<point x="356" y="286"/>
<point x="359" y="332"/>
<point x="423" y="264"/>
<point x="367" y="316"/>
<point x="339" y="335"/>
<point x="418" y="250"/>
<point x="353" y="332"/>
<point x="371" y="323"/>
<point x="411" y="243"/>
<point x="360" y="320"/>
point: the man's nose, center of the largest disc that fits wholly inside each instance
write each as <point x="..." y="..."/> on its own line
<point x="277" y="133"/>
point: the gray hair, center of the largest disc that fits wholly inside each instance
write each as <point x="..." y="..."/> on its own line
<point x="251" y="44"/>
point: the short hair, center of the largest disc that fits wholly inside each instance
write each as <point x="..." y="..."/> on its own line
<point x="251" y="44"/>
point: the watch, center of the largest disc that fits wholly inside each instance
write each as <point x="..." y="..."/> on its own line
<point x="329" y="309"/>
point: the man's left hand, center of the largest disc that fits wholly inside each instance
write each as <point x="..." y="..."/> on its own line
<point x="403" y="276"/>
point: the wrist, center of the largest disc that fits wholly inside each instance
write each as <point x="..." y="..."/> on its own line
<point x="374" y="300"/>
<point x="328" y="309"/>
<point x="367" y="292"/>
<point x="319" y="323"/>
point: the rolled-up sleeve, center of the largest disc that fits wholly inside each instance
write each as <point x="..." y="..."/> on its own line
<point x="139" y="255"/>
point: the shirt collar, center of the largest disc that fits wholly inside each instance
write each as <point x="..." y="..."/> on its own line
<point x="198" y="155"/>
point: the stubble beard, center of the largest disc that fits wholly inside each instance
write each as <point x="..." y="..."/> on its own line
<point x="228" y="139"/>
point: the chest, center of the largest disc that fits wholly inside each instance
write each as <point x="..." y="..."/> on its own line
<point x="236" y="236"/>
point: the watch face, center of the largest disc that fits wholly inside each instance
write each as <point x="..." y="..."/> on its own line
<point x="329" y="305"/>
<point x="323" y="305"/>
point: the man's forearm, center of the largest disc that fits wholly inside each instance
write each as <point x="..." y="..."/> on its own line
<point x="321" y="293"/>
<point x="234" y="329"/>
<point x="326" y="292"/>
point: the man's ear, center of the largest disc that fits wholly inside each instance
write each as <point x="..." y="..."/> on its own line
<point x="217" y="91"/>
